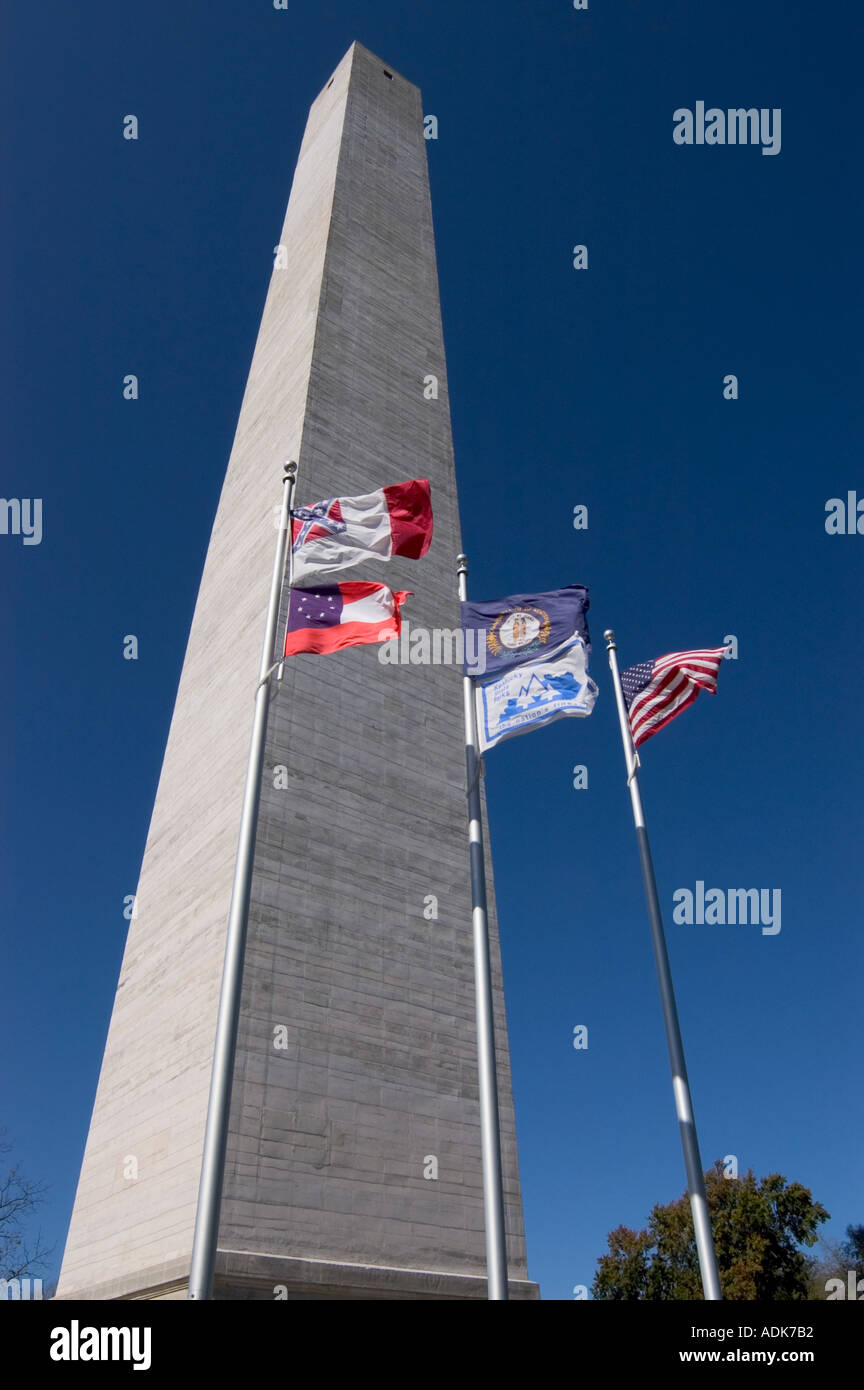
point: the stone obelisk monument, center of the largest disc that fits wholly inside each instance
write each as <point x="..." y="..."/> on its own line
<point x="353" y="1165"/>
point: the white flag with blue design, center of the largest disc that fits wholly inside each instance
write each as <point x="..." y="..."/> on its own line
<point x="533" y="694"/>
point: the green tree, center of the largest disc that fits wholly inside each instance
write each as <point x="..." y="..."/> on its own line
<point x="758" y="1224"/>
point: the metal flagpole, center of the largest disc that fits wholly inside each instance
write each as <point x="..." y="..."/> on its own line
<point x="216" y="1132"/>
<point x="490" y="1132"/>
<point x="680" y="1084"/>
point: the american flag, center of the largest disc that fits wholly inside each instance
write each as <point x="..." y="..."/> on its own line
<point x="655" y="691"/>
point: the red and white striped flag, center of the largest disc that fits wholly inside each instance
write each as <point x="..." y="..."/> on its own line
<point x="341" y="531"/>
<point x="655" y="691"/>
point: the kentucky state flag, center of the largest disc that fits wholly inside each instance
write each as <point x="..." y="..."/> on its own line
<point x="526" y="627"/>
<point x="342" y="615"/>
<point x="341" y="531"/>
<point x="535" y="693"/>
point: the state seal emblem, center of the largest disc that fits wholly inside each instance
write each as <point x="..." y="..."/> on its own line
<point x="522" y="630"/>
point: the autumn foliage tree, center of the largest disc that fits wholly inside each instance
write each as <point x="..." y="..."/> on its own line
<point x="759" y="1226"/>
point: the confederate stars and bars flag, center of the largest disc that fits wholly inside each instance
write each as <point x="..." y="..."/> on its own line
<point x="656" y="691"/>
<point x="337" y="533"/>
<point x="342" y="615"/>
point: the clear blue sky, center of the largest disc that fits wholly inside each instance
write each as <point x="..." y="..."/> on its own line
<point x="601" y="387"/>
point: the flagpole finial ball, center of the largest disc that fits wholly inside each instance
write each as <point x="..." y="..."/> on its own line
<point x="291" y="469"/>
<point x="610" y="638"/>
<point x="462" y="562"/>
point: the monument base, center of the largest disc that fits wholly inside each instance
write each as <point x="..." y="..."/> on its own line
<point x="242" y="1276"/>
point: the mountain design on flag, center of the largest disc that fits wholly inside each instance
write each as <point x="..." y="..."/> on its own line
<point x="538" y="689"/>
<point x="528" y="696"/>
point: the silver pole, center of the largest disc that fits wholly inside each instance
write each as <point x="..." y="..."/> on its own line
<point x="680" y="1084"/>
<point x="216" y="1132"/>
<point x="490" y="1131"/>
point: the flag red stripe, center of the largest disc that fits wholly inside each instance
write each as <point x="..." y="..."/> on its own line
<point x="709" y="654"/>
<point x="410" y="508"/>
<point x="654" y="699"/>
<point x="322" y="640"/>
<point x="661" y="722"/>
<point x="651" y="718"/>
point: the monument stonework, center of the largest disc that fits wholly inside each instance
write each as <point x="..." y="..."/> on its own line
<point x="356" y="1064"/>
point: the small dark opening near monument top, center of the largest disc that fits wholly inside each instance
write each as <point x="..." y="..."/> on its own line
<point x="388" y="74"/>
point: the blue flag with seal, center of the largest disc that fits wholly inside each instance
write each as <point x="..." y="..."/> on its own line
<point x="533" y="694"/>
<point x="506" y="632"/>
